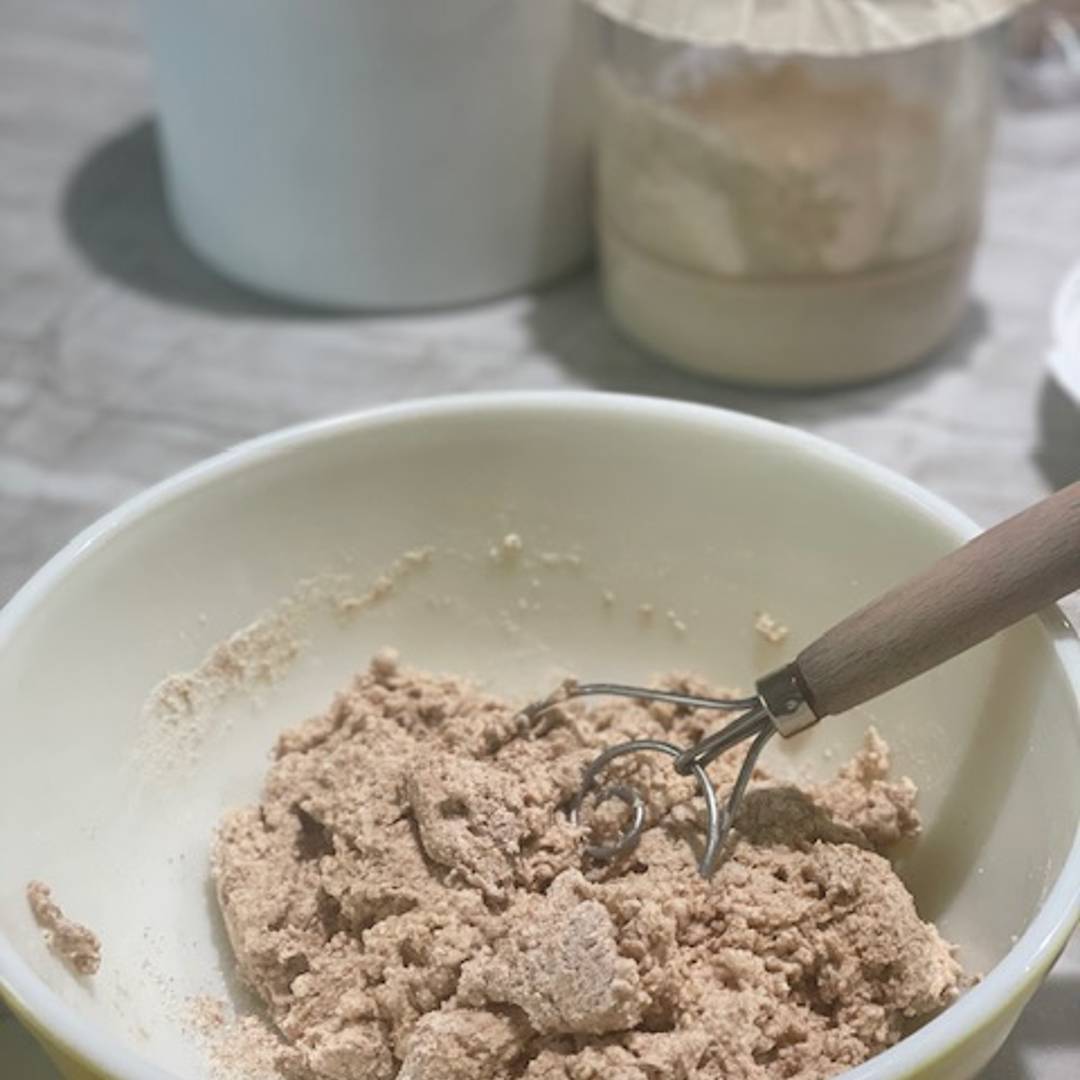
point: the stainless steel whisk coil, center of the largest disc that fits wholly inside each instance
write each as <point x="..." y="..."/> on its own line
<point x="777" y="694"/>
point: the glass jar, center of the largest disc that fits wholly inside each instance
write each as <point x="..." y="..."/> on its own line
<point x="791" y="220"/>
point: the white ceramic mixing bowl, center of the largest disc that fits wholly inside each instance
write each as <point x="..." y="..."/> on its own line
<point x="705" y="514"/>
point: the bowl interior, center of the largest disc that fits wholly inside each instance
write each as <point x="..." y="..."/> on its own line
<point x="704" y="516"/>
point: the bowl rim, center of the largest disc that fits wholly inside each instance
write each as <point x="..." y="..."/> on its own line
<point x="1006" y="986"/>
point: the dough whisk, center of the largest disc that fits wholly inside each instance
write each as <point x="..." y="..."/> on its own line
<point x="991" y="582"/>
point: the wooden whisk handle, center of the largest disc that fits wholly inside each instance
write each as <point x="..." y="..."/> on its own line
<point x="990" y="583"/>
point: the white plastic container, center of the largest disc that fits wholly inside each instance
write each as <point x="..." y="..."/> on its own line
<point x="377" y="154"/>
<point x="785" y="207"/>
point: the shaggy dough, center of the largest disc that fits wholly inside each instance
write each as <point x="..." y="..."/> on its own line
<point x="410" y="902"/>
<point x="74" y="943"/>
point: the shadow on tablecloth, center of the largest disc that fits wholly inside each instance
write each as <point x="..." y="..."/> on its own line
<point x="1058" y="452"/>
<point x="114" y="212"/>
<point x="1050" y="1022"/>
<point x="570" y="323"/>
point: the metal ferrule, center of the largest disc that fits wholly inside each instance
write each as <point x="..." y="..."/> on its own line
<point x="782" y="694"/>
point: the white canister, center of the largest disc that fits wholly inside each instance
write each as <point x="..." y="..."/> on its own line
<point x="378" y="154"/>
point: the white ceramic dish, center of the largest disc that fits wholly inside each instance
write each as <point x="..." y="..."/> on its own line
<point x="743" y="515"/>
<point x="1064" y="357"/>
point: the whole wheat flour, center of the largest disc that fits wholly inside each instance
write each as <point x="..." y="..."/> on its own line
<point x="410" y="901"/>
